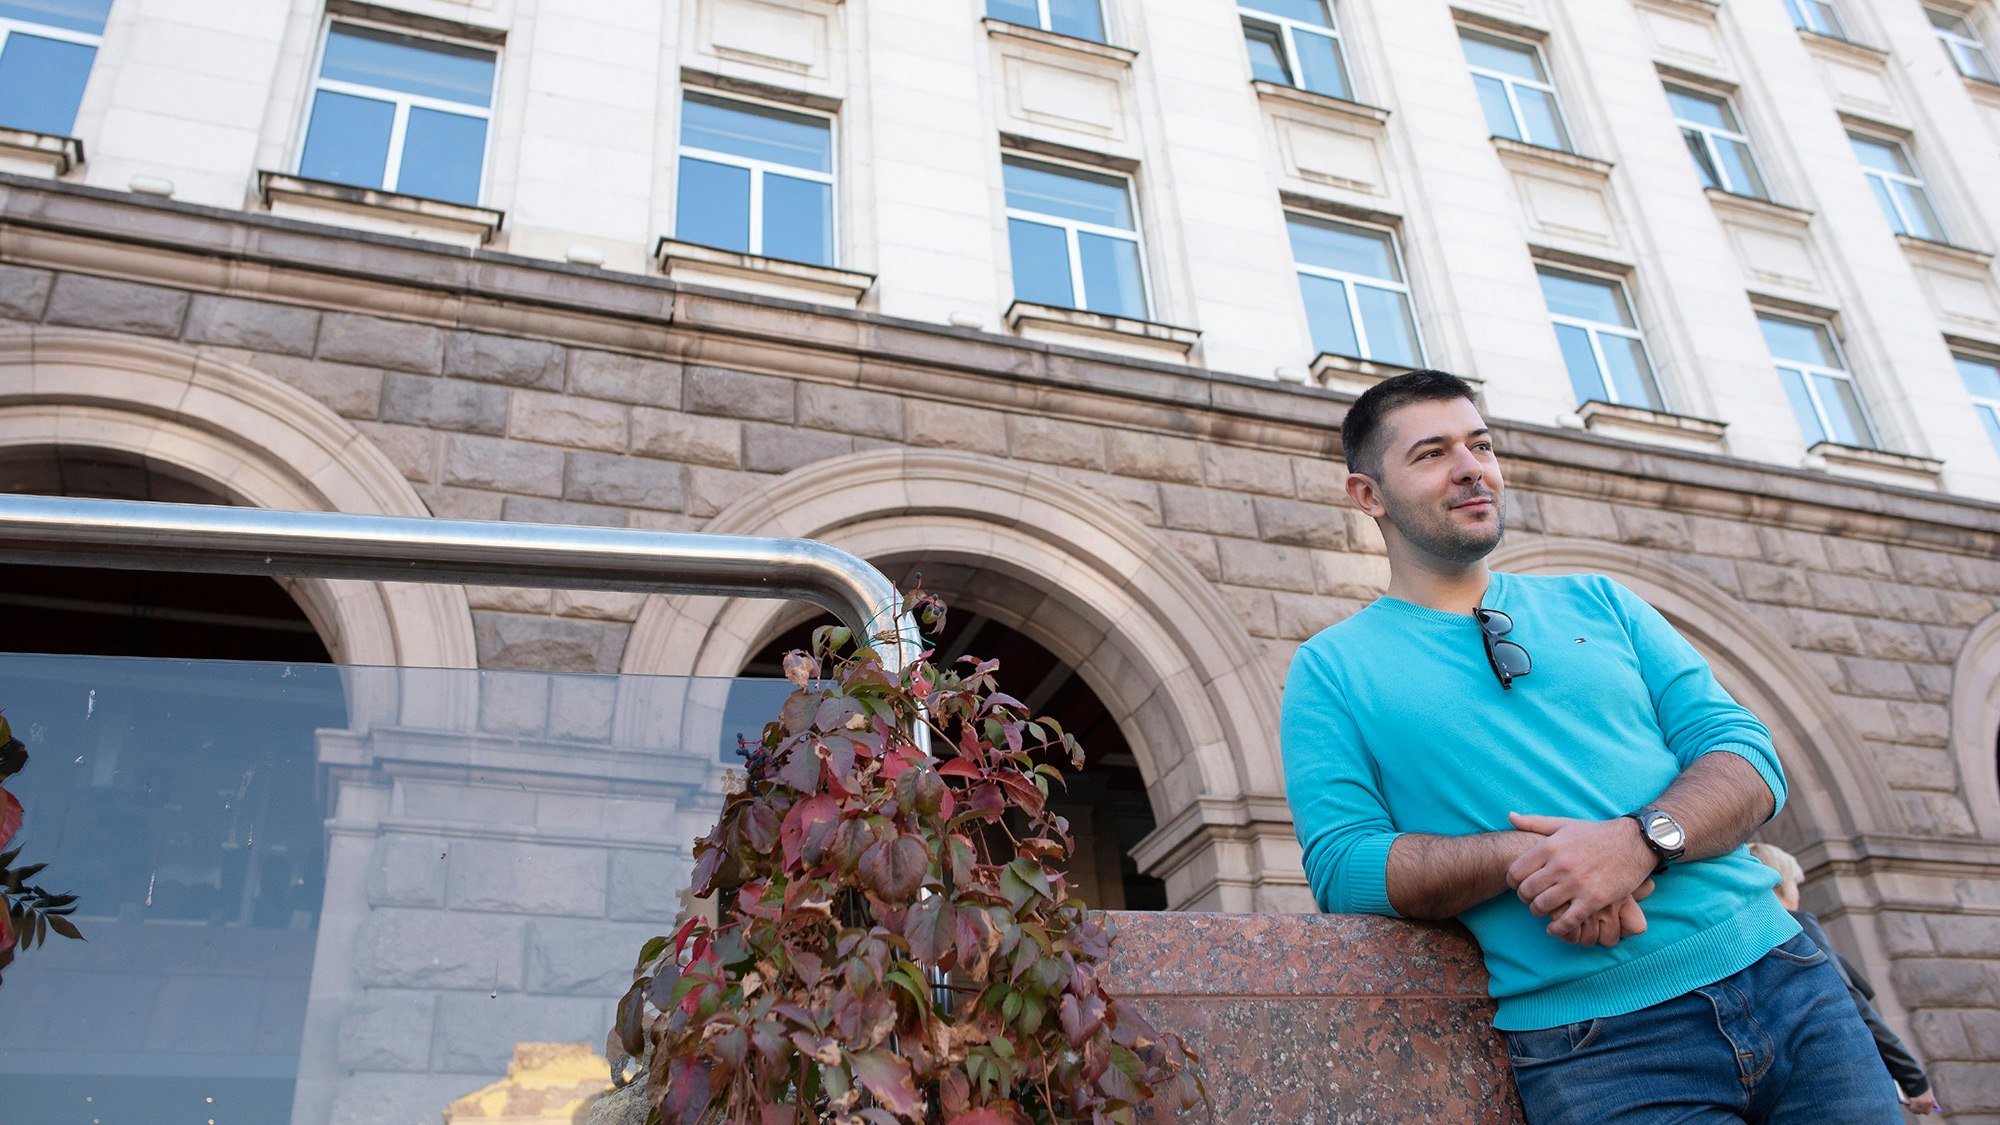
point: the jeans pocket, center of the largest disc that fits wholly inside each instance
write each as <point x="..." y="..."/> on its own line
<point x="1800" y="950"/>
<point x="1550" y="1044"/>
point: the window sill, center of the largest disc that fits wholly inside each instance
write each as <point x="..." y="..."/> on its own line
<point x="1292" y="95"/>
<point x="1355" y="375"/>
<point x="385" y="212"/>
<point x="1123" y="56"/>
<point x="38" y="154"/>
<point x="1880" y="466"/>
<point x="1765" y="208"/>
<point x="686" y="263"/>
<point x="1834" y="44"/>
<point x="1945" y="251"/>
<point x="1145" y="339"/>
<point x="1590" y="165"/>
<point x="1657" y="427"/>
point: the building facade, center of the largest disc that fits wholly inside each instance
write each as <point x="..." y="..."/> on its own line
<point x="1060" y="303"/>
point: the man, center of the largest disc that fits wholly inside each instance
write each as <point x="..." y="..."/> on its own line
<point x="1535" y="756"/>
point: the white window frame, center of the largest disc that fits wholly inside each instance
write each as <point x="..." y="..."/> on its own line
<point x="758" y="168"/>
<point x="1809" y="15"/>
<point x="1043" y="22"/>
<point x="1350" y="280"/>
<point x="1709" y="133"/>
<point x="1508" y="82"/>
<point x="46" y="31"/>
<point x="392" y="171"/>
<point x="1915" y="181"/>
<point x="1592" y="329"/>
<point x="1072" y="227"/>
<point x="1808" y="370"/>
<point x="1287" y="27"/>
<point x="1981" y="402"/>
<point x="1962" y="47"/>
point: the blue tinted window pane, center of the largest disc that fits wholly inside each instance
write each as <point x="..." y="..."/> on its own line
<point x="1981" y="378"/>
<point x="1584" y="376"/>
<point x="408" y="65"/>
<point x="1744" y="178"/>
<point x="1917" y="213"/>
<point x="1499" y="55"/>
<point x="1698" y="110"/>
<point x="1068" y="195"/>
<point x="1347" y="249"/>
<point x="1595" y="301"/>
<point x="443" y="154"/>
<point x="1539" y="117"/>
<point x="798" y="220"/>
<point x="1023" y="12"/>
<point x="1392" y="334"/>
<point x="1326" y="312"/>
<point x="1111" y="282"/>
<point x="1843" y="411"/>
<point x="1798" y="341"/>
<point x="347" y="139"/>
<point x="1802" y="407"/>
<point x="712" y="207"/>
<point x="1879" y="156"/>
<point x="1319" y="62"/>
<point x="71" y="15"/>
<point x="1499" y="112"/>
<point x="1041" y="264"/>
<point x="1267" y="54"/>
<point x="1305" y="11"/>
<point x="1704" y="163"/>
<point x="41" y="83"/>
<point x="791" y="139"/>
<point x="1076" y="17"/>
<point x="1991" y="418"/>
<point x="1888" y="204"/>
<point x="1631" y="374"/>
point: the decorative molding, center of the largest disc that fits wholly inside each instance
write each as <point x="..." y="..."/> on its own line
<point x="1513" y="150"/>
<point x="385" y="212"/>
<point x="1081" y="327"/>
<point x="38" y="154"/>
<point x="1336" y="209"/>
<point x="1035" y="146"/>
<point x="1355" y="375"/>
<point x="712" y="82"/>
<point x="1358" y="112"/>
<point x="1069" y="44"/>
<point x="1945" y="253"/>
<point x="1761" y="208"/>
<point x="1835" y="45"/>
<point x="1652" y="426"/>
<point x="395" y="15"/>
<point x="686" y="263"/>
<point x="1903" y="469"/>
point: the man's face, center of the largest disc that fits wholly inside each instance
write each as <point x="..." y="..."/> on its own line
<point x="1440" y="484"/>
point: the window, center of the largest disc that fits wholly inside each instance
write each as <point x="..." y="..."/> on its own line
<point x="1816" y="15"/>
<point x="1967" y="53"/>
<point x="1356" y="299"/>
<point x="1982" y="379"/>
<point x="1295" y="43"/>
<point x="1721" y="151"/>
<point x="755" y="180"/>
<point x="1898" y="188"/>
<point x="46" y="48"/>
<point x="1077" y="18"/>
<point x="399" y="113"/>
<point x="1073" y="239"/>
<point x="1600" y="339"/>
<point x="1514" y="89"/>
<point x="1817" y="382"/>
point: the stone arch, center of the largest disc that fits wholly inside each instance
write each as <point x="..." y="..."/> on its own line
<point x="1833" y="792"/>
<point x="1975" y="723"/>
<point x="244" y="436"/>
<point x="1143" y="629"/>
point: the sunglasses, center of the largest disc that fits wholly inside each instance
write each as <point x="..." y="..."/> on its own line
<point x="1507" y="658"/>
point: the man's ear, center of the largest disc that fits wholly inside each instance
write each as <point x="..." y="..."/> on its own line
<point x="1366" y="494"/>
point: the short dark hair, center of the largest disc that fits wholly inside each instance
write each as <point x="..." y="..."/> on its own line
<point x="1361" y="432"/>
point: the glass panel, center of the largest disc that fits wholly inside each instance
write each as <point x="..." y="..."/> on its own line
<point x="1111" y="281"/>
<point x="1699" y="109"/>
<point x="1504" y="56"/>
<point x="1976" y="62"/>
<point x="1947" y="22"/>
<point x="347" y="139"/>
<point x="443" y="155"/>
<point x="1538" y="115"/>
<point x="791" y="139"/>
<point x="404" y="63"/>
<point x="1888" y="204"/>
<point x="1327" y="314"/>
<point x="1023" y="12"/>
<point x="1704" y="164"/>
<point x="1880" y="155"/>
<point x="1076" y="17"/>
<point x="1585" y="298"/>
<point x="41" y="83"/>
<point x="425" y="867"/>
<point x="1499" y="112"/>
<point x="1982" y="377"/>
<point x="712" y="207"/>
<point x="1843" y="411"/>
<point x="1917" y="212"/>
<point x="1991" y="418"/>
<point x="1631" y="374"/>
<point x="1305" y="11"/>
<point x="1584" y="377"/>
<point x="798" y="220"/>
<point x="1741" y="169"/>
<point x="1041" y="264"/>
<point x="1392" y="331"/>
<point x="1802" y="406"/>
<point x="1319" y="60"/>
<point x="1799" y="341"/>
<point x="1824" y="17"/>
<point x="86" y="16"/>
<point x="1267" y="54"/>
<point x="1337" y="246"/>
<point x="1082" y="196"/>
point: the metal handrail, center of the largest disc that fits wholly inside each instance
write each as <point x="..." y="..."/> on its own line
<point x="143" y="535"/>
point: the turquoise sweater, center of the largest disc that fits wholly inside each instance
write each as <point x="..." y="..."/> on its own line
<point x="1393" y="722"/>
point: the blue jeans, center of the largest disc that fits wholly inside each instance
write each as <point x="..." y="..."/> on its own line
<point x="1778" y="1043"/>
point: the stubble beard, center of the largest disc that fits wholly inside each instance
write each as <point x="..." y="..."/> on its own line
<point x="1433" y="532"/>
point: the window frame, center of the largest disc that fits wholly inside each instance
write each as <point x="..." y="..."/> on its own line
<point x="1072" y="227"/>
<point x="759" y="168"/>
<point x="1806" y="372"/>
<point x="1287" y="29"/>
<point x="1980" y="403"/>
<point x="1961" y="46"/>
<point x="392" y="170"/>
<point x="1806" y="13"/>
<point x="95" y="41"/>
<point x="1592" y="328"/>
<point x="1914" y="180"/>
<point x="1509" y="81"/>
<point x="1043" y="21"/>
<point x="1709" y="133"/>
<point x="1350" y="280"/>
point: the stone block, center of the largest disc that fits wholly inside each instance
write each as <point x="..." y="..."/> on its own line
<point x="560" y="419"/>
<point x="503" y="465"/>
<point x="583" y="958"/>
<point x="1188" y="508"/>
<point x="1730" y="538"/>
<point x="513" y="704"/>
<point x="1364" y="534"/>
<point x="1199" y="551"/>
<point x="448" y="503"/>
<point x="1783" y="546"/>
<point x="1521" y="511"/>
<point x="1246" y="562"/>
<point x="1909" y="603"/>
<point x="1935" y="814"/>
<point x="1934" y="680"/>
<point x="1904" y="932"/>
<point x="945" y="425"/>
<point x="1153" y="456"/>
<point x="647" y="886"/>
<point x="351" y="392"/>
<point x="1922" y="566"/>
<point x="1884" y="679"/>
<point x="1982" y="1032"/>
<point x="511" y="599"/>
<point x="711" y="490"/>
<point x="1301" y="617"/>
<point x="1320" y="480"/>
<point x="1981" y="575"/>
<point x="519" y="877"/>
<point x="386" y="1030"/>
<point x="633" y="482"/>
<point x="1968" y="1088"/>
<point x="1939" y="1035"/>
<point x="116" y="306"/>
<point x="1870" y="717"/>
<point x="1894" y="640"/>
<point x="541" y="509"/>
<point x="407" y="871"/>
<point x="476" y="1034"/>
<point x="1253" y="608"/>
<point x="739" y="394"/>
<point x="1966" y="935"/>
<point x="412" y="449"/>
<point x="580" y="707"/>
<point x="780" y="449"/>
<point x="599" y="605"/>
<point x="1944" y="982"/>
<point x="1579" y="518"/>
<point x="258" y="325"/>
<point x="1651" y="527"/>
<point x="1300" y="524"/>
<point x="1964" y="609"/>
<point x="439" y="949"/>
<point x="1843" y="594"/>
<point x="547" y="644"/>
<point x="1345" y="574"/>
<point x="444" y="404"/>
<point x="694" y="439"/>
<point x="1859" y="557"/>
<point x="1247" y="470"/>
<point x="1139" y="499"/>
<point x="1778" y="585"/>
<point x="1910" y="767"/>
<point x="24" y="292"/>
<point x="851" y="411"/>
<point x="1824" y="632"/>
<point x="536" y="364"/>
<point x="624" y="378"/>
<point x="1719" y="572"/>
<point x="374" y="342"/>
<point x="1055" y="442"/>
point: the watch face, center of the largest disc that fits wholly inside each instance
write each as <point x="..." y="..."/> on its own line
<point x="1665" y="832"/>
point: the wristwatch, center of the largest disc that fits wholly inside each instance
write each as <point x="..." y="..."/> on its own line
<point x="1663" y="834"/>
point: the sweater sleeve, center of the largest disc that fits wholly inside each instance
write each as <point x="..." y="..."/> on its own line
<point x="1696" y="715"/>
<point x="1335" y="793"/>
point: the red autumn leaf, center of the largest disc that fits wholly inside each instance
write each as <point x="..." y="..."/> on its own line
<point x="931" y="929"/>
<point x="959" y="767"/>
<point x="835" y="712"/>
<point x="820" y="810"/>
<point x="989" y="1115"/>
<point x="894" y="869"/>
<point x="886" y="1075"/>
<point x="10" y="817"/>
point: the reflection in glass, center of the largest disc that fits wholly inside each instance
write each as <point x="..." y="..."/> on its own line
<point x="1328" y="316"/>
<point x="1267" y="54"/>
<point x="1111" y="275"/>
<point x="347" y="139"/>
<point x="442" y="156"/>
<point x="712" y="207"/>
<point x="428" y="68"/>
<point x="41" y="83"/>
<point x="86" y="16"/>
<point x="798" y="220"/>
<point x="1040" y="255"/>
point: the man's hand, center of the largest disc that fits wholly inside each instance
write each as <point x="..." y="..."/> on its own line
<point x="1579" y="869"/>
<point x="1614" y="924"/>
<point x="1925" y="1103"/>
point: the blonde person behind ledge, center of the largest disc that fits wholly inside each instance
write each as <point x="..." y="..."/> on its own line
<point x="1903" y="1066"/>
<point x="1546" y="760"/>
